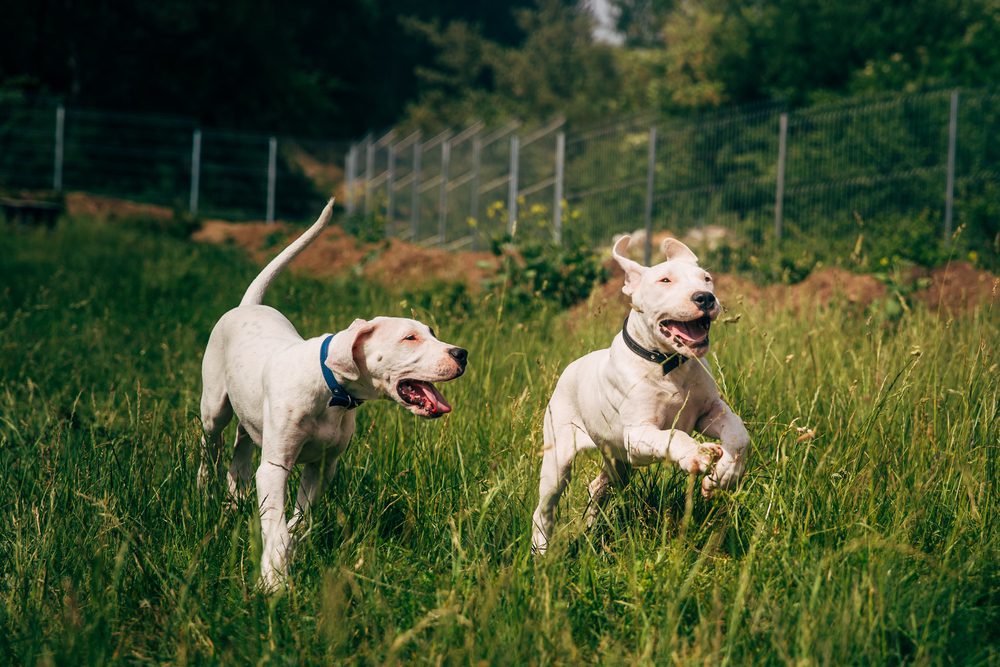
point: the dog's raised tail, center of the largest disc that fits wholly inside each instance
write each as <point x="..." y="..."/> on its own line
<point x="255" y="293"/>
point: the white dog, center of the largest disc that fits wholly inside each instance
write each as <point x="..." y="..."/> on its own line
<point x="637" y="401"/>
<point x="295" y="398"/>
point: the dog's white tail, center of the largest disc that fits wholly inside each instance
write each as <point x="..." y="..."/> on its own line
<point x="255" y="293"/>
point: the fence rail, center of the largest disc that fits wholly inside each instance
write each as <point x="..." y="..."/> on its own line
<point x="745" y="179"/>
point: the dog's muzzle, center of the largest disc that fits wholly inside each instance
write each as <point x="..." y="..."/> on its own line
<point x="461" y="355"/>
<point x="704" y="300"/>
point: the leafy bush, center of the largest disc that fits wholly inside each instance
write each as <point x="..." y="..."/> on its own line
<point x="534" y="273"/>
<point x="367" y="228"/>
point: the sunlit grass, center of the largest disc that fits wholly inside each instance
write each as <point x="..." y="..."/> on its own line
<point x="865" y="532"/>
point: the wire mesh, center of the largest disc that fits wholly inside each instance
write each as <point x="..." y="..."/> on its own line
<point x="308" y="174"/>
<point x="715" y="181"/>
<point x="536" y="182"/>
<point x="823" y="175"/>
<point x="146" y="158"/>
<point x="606" y="174"/>
<point x="27" y="146"/>
<point x="977" y="166"/>
<point x="493" y="184"/>
<point x="864" y="168"/>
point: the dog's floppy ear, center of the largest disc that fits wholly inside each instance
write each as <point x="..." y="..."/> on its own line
<point x="674" y="249"/>
<point x="633" y="270"/>
<point x="346" y="347"/>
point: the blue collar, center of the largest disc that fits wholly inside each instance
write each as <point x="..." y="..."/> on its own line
<point x="340" y="399"/>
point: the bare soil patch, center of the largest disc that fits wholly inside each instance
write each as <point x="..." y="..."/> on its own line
<point x="959" y="287"/>
<point x="395" y="264"/>
<point x="111" y="208"/>
<point x="828" y="285"/>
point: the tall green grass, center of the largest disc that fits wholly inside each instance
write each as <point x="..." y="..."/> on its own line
<point x="865" y="531"/>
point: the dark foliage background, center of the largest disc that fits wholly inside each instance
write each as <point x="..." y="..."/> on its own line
<point x="339" y="69"/>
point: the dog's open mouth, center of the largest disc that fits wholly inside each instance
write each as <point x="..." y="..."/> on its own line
<point x="423" y="396"/>
<point x="693" y="334"/>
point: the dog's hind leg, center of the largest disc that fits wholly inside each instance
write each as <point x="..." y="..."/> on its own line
<point x="614" y="473"/>
<point x="241" y="468"/>
<point x="562" y="443"/>
<point x="216" y="413"/>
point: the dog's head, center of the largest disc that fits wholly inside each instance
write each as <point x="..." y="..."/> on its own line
<point x="674" y="300"/>
<point x="401" y="359"/>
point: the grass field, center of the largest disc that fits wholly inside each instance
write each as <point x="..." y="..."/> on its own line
<point x="866" y="531"/>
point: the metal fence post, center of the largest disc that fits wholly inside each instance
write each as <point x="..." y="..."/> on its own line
<point x="57" y="167"/>
<point x="949" y="194"/>
<point x="369" y="174"/>
<point x="558" y="189"/>
<point x="418" y="150"/>
<point x="351" y="169"/>
<point x="195" y="172"/>
<point x="650" y="185"/>
<point x="390" y="183"/>
<point x="779" y="190"/>
<point x="272" y="175"/>
<point x="443" y="202"/>
<point x="477" y="153"/>
<point x="512" y="187"/>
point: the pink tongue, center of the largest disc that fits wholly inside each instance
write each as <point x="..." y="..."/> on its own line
<point x="438" y="404"/>
<point x="691" y="331"/>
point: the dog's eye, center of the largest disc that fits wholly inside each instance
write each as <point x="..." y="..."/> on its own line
<point x="410" y="337"/>
<point x="708" y="278"/>
<point x="664" y="280"/>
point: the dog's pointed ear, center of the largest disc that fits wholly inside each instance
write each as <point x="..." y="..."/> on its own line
<point x="633" y="270"/>
<point x="674" y="249"/>
<point x="344" y="356"/>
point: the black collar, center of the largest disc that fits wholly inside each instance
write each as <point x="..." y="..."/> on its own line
<point x="340" y="399"/>
<point x="666" y="362"/>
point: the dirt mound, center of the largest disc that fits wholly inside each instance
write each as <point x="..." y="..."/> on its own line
<point x="333" y="253"/>
<point x="733" y="290"/>
<point x="248" y="235"/>
<point x="959" y="287"/>
<point x="96" y="206"/>
<point x="828" y="285"/>
<point x="404" y="264"/>
<point x="394" y="264"/>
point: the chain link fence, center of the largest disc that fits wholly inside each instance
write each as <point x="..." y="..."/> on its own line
<point x="745" y="180"/>
<point x="164" y="160"/>
<point x="895" y="166"/>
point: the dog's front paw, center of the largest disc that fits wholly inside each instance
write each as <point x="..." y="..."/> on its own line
<point x="701" y="458"/>
<point x="708" y="486"/>
<point x="273" y="575"/>
<point x="271" y="581"/>
<point x="727" y="471"/>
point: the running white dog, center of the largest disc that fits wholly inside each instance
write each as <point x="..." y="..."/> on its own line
<point x="637" y="401"/>
<point x="295" y="398"/>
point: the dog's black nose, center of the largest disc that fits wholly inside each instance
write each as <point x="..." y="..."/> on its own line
<point x="461" y="355"/>
<point x="704" y="300"/>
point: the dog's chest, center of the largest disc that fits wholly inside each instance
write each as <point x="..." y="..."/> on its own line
<point x="669" y="406"/>
<point x="331" y="430"/>
<point x="675" y="410"/>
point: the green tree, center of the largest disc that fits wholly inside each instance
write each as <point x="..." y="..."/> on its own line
<point x="555" y="68"/>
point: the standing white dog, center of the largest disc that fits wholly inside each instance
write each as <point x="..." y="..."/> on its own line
<point x="637" y="401"/>
<point x="295" y="398"/>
